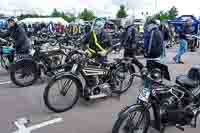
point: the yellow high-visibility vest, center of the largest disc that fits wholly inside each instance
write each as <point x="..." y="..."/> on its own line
<point x="141" y="29"/>
<point x="96" y="42"/>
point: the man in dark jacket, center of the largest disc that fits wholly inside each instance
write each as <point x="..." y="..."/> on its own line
<point x="129" y="41"/>
<point x="130" y="46"/>
<point x="17" y="33"/>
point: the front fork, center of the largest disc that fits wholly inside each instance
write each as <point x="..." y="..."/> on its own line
<point x="68" y="83"/>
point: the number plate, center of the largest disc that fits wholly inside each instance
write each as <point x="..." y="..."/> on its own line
<point x="144" y="95"/>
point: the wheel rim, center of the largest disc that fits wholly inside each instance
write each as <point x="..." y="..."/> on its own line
<point x="123" y="78"/>
<point x="62" y="95"/>
<point x="134" y="123"/>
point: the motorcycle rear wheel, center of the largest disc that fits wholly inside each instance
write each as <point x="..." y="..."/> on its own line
<point x="26" y="70"/>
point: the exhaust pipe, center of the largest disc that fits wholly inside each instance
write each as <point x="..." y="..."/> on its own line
<point x="98" y="96"/>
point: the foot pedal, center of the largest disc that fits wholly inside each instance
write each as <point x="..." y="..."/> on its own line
<point x="116" y="92"/>
<point x="180" y="128"/>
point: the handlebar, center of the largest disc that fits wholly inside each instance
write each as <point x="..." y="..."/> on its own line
<point x="3" y="40"/>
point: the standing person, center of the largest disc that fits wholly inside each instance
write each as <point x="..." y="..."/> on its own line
<point x="153" y="44"/>
<point x="183" y="47"/>
<point x="29" y="31"/>
<point x="51" y="27"/>
<point x="62" y="28"/>
<point x="165" y="33"/>
<point x="129" y="43"/>
<point x="153" y="40"/>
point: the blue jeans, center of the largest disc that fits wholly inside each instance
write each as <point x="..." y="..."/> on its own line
<point x="182" y="50"/>
<point x="163" y="56"/>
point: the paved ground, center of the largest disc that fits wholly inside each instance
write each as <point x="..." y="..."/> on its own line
<point x="92" y="117"/>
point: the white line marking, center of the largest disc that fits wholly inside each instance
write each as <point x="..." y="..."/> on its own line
<point x="34" y="127"/>
<point x="23" y="129"/>
<point x="5" y="82"/>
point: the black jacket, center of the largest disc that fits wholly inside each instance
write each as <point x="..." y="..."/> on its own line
<point x="128" y="37"/>
<point x="22" y="43"/>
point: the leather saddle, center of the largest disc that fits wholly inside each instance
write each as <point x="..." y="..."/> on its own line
<point x="191" y="80"/>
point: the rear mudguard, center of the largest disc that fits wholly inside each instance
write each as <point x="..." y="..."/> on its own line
<point x="24" y="62"/>
<point x="68" y="75"/>
<point x="130" y="65"/>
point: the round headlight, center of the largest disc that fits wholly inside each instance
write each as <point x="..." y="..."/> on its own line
<point x="156" y="74"/>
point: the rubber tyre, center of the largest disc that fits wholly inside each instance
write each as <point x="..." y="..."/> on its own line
<point x="46" y="94"/>
<point x="131" y="70"/>
<point x="121" y="120"/>
<point x="16" y="82"/>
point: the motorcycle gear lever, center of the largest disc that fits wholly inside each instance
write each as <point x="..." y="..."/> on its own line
<point x="180" y="127"/>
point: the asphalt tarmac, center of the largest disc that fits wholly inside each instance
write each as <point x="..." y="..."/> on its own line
<point x="86" y="117"/>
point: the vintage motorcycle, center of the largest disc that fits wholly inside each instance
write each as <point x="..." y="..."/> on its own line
<point x="101" y="80"/>
<point x="173" y="105"/>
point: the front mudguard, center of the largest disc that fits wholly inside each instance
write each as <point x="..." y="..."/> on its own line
<point x="124" y="112"/>
<point x="68" y="75"/>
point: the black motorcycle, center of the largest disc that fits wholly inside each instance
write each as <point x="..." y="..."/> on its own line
<point x="173" y="105"/>
<point x="101" y="80"/>
<point x="28" y="68"/>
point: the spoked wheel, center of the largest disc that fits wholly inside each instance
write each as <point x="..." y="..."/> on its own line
<point x="4" y="63"/>
<point x="124" y="78"/>
<point x="136" y="121"/>
<point x="61" y="94"/>
<point x="23" y="75"/>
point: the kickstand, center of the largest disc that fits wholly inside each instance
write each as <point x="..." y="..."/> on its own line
<point x="153" y="125"/>
<point x="162" y="129"/>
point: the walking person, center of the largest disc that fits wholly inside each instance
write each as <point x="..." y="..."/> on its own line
<point x="165" y="34"/>
<point x="183" y="47"/>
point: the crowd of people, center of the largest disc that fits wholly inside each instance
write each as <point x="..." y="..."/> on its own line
<point x="157" y="36"/>
<point x="51" y="28"/>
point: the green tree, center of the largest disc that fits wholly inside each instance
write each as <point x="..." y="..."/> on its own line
<point x="173" y="12"/>
<point x="87" y="15"/>
<point x="166" y="15"/>
<point x="69" y="18"/>
<point x="122" y="12"/>
<point x="56" y="13"/>
<point x="23" y="16"/>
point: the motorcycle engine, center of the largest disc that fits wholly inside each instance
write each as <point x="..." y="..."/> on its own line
<point x="174" y="113"/>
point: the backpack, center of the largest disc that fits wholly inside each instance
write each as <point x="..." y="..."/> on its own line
<point x="153" y="43"/>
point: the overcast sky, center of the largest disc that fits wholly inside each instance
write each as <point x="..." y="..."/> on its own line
<point x="101" y="7"/>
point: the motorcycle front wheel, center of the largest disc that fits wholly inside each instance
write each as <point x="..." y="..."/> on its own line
<point x="123" y="77"/>
<point x="61" y="94"/>
<point x="131" y="122"/>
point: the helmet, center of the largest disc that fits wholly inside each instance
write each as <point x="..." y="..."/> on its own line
<point x="98" y="24"/>
<point x="189" y="22"/>
<point x="157" y="22"/>
<point x="12" y="19"/>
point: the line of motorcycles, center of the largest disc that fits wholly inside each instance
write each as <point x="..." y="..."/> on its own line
<point x="176" y="104"/>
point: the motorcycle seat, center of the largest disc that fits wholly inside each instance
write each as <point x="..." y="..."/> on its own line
<point x="187" y="82"/>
